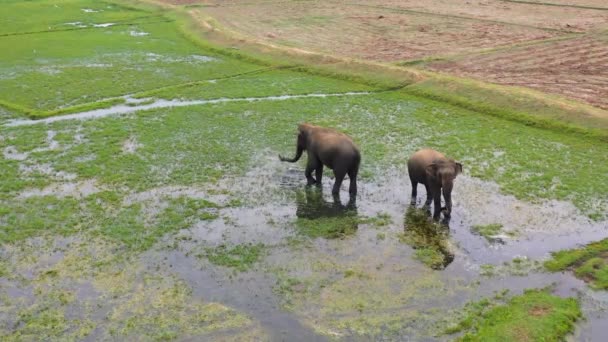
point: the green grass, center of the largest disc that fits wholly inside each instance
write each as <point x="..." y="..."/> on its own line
<point x="101" y="213"/>
<point x="429" y="239"/>
<point x="40" y="215"/>
<point x="21" y="17"/>
<point x="259" y="84"/>
<point x="519" y="106"/>
<point x="588" y="263"/>
<point x="240" y="257"/>
<point x="536" y="315"/>
<point x="70" y="69"/>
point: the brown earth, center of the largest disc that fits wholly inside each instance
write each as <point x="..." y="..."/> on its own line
<point x="557" y="46"/>
<point x="576" y="68"/>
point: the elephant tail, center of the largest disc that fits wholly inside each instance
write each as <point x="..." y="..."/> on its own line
<point x="356" y="163"/>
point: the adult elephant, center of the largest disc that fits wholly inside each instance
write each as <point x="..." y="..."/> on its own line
<point x="327" y="147"/>
<point x="437" y="173"/>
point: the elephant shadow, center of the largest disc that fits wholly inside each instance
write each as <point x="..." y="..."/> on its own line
<point x="431" y="240"/>
<point x="319" y="217"/>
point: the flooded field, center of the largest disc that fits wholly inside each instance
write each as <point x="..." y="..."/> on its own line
<point x="160" y="210"/>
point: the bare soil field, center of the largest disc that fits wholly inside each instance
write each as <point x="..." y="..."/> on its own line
<point x="576" y="68"/>
<point x="556" y="47"/>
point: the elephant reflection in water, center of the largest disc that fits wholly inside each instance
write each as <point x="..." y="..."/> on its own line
<point x="320" y="218"/>
<point x="312" y="205"/>
<point x="430" y="240"/>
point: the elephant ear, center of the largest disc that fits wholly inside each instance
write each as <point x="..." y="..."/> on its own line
<point x="304" y="127"/>
<point x="431" y="170"/>
<point x="458" y="168"/>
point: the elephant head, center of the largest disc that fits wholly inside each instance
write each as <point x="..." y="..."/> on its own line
<point x="443" y="172"/>
<point x="301" y="143"/>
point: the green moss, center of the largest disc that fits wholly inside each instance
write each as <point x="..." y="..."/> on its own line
<point x="429" y="239"/>
<point x="536" y="315"/>
<point x="240" y="257"/>
<point x="588" y="263"/>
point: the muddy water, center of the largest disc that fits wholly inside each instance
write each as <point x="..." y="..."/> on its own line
<point x="275" y="198"/>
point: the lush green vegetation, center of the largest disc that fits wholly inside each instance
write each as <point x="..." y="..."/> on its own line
<point x="536" y="315"/>
<point x="588" y="263"/>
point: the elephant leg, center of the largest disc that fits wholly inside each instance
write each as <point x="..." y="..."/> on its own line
<point x="414" y="191"/>
<point x="339" y="174"/>
<point x="319" y="174"/>
<point x="436" y="192"/>
<point x="310" y="166"/>
<point x="429" y="195"/>
<point x="447" y="195"/>
<point x="352" y="189"/>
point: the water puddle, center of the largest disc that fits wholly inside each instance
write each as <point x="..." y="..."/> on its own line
<point x="133" y="107"/>
<point x="130" y="146"/>
<point x="80" y="24"/>
<point x="104" y="25"/>
<point x="11" y="153"/>
<point x="134" y="33"/>
<point x="78" y="190"/>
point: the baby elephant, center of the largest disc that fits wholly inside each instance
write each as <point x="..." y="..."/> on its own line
<point x="331" y="148"/>
<point x="437" y="173"/>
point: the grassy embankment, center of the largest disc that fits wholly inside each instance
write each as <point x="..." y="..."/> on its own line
<point x="535" y="315"/>
<point x="588" y="263"/>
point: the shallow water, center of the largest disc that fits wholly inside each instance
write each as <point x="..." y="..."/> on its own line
<point x="355" y="287"/>
<point x="277" y="196"/>
<point x="133" y="105"/>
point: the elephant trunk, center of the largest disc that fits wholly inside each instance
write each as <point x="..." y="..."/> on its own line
<point x="296" y="158"/>
<point x="447" y="195"/>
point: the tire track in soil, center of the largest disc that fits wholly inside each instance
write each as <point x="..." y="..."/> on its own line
<point x="555" y="5"/>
